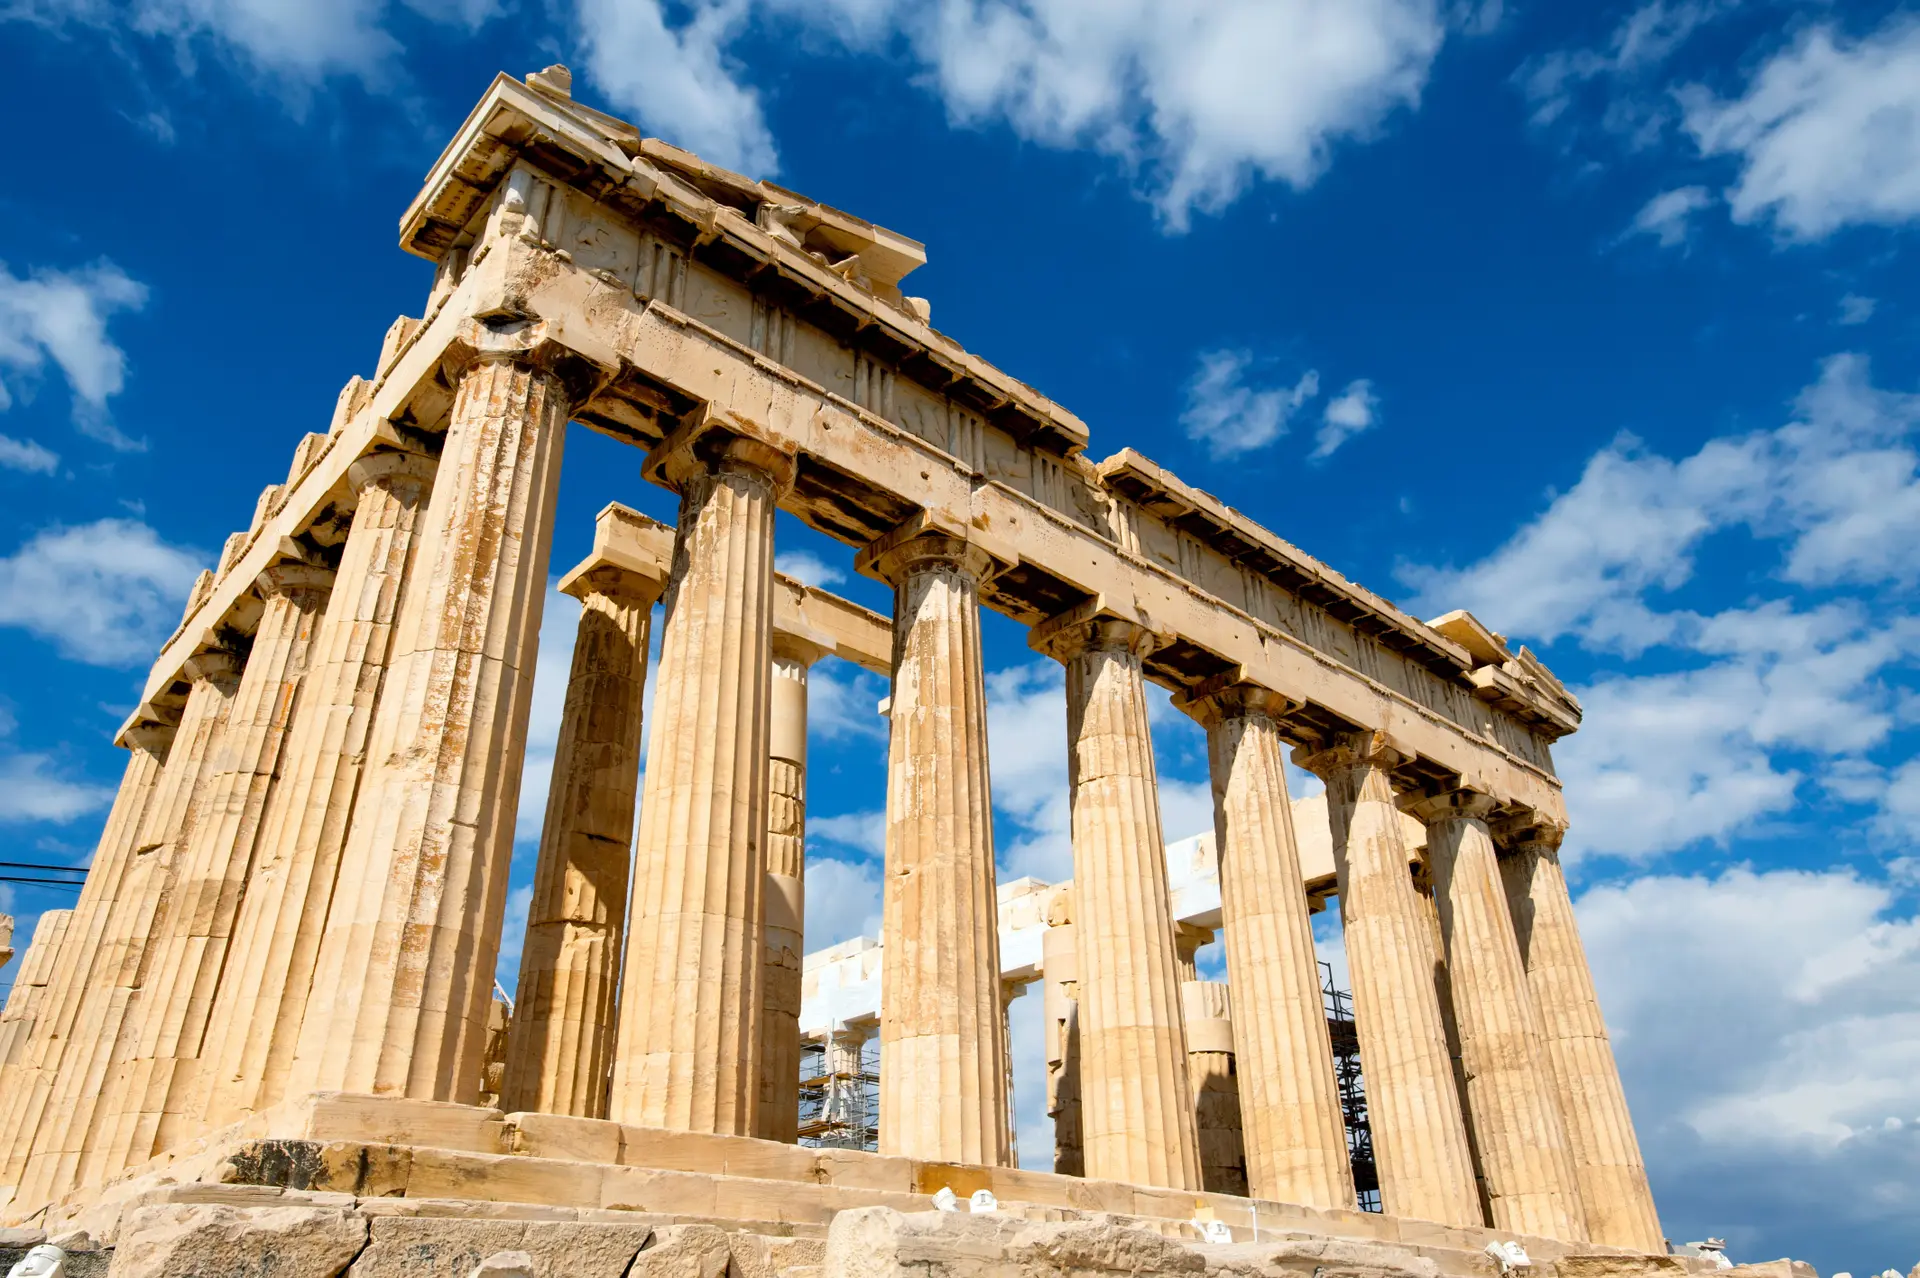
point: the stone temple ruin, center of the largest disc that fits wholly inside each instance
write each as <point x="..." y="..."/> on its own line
<point x="271" y="1009"/>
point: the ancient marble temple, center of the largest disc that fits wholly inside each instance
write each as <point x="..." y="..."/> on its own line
<point x="278" y="980"/>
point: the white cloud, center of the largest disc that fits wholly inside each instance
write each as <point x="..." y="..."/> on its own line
<point x="1756" y="699"/>
<point x="105" y="593"/>
<point x="807" y="568"/>
<point x="861" y="831"/>
<point x="1231" y="414"/>
<point x="1827" y="133"/>
<point x="1840" y="483"/>
<point x="1355" y="409"/>
<point x="1205" y="97"/>
<point x="32" y="787"/>
<point x="27" y="455"/>
<point x="1768" y="1029"/>
<point x="1855" y="309"/>
<point x="1668" y="216"/>
<point x="1197" y="101"/>
<point x="843" y="901"/>
<point x="1639" y="45"/>
<point x="513" y="938"/>
<point x="62" y="316"/>
<point x="679" y="80"/>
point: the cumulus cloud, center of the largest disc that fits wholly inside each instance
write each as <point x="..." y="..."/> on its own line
<point x="27" y="455"/>
<point x="678" y="78"/>
<point x="1767" y="1026"/>
<point x="1353" y="410"/>
<point x="807" y="568"/>
<point x="1231" y="413"/>
<point x="1826" y="133"/>
<point x="1557" y="83"/>
<point x="62" y="316"/>
<point x="843" y="901"/>
<point x="105" y="593"/>
<point x="1668" y="216"/>
<point x="1727" y="729"/>
<point x="1197" y="101"/>
<point x="1855" y="309"/>
<point x="290" y="46"/>
<point x="35" y="787"/>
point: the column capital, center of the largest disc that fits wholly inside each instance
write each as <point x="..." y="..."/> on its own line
<point x="1529" y="832"/>
<point x="797" y="648"/>
<point x="288" y="576"/>
<point x="529" y="343"/>
<point x="922" y="545"/>
<point x="1231" y="695"/>
<point x="1364" y="749"/>
<point x="1092" y="627"/>
<point x="151" y="735"/>
<point x="388" y="467"/>
<point x="1460" y="804"/>
<point x="710" y="441"/>
<point x="216" y="665"/>
<point x="615" y="581"/>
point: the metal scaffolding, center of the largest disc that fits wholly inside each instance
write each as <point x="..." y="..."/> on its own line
<point x="840" y="1104"/>
<point x="1353" y="1090"/>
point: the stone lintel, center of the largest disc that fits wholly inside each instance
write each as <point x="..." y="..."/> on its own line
<point x="929" y="534"/>
<point x="1230" y="694"/>
<point x="1461" y="804"/>
<point x="711" y="438"/>
<point x="1093" y="622"/>
<point x="629" y="544"/>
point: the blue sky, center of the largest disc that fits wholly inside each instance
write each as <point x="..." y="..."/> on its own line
<point x="1599" y="320"/>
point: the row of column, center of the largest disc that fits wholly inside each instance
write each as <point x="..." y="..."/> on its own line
<point x="330" y="822"/>
<point x="301" y="882"/>
<point x="716" y="912"/>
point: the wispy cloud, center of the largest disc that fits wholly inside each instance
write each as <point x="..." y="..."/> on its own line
<point x="1353" y="410"/>
<point x="62" y="316"/>
<point x="1233" y="410"/>
<point x="105" y="593"/>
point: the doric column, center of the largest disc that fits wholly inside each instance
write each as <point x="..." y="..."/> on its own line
<point x="688" y="1054"/>
<point x="785" y="900"/>
<point x="1593" y="1106"/>
<point x="560" y="1048"/>
<point x="28" y="1079"/>
<point x="943" y="1092"/>
<point x="30" y="982"/>
<point x="1136" y="1102"/>
<point x="255" y="1027"/>
<point x="1217" y="1110"/>
<point x="141" y="913"/>
<point x="155" y="1084"/>
<point x="1061" y="962"/>
<point x="1419" y="1133"/>
<point x="1528" y="1172"/>
<point x="1296" y="1140"/>
<point x="404" y="981"/>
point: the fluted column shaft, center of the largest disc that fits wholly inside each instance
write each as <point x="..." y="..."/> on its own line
<point x="141" y="912"/>
<point x="255" y="1027"/>
<point x="560" y="1045"/>
<point x="403" y="983"/>
<point x="943" y="1089"/>
<point x="1510" y="1097"/>
<point x="1136" y="1100"/>
<point x="1593" y="1106"/>
<point x="785" y="899"/>
<point x="31" y="981"/>
<point x="1061" y="962"/>
<point x="150" y="1098"/>
<point x="688" y="1052"/>
<point x="1419" y="1132"/>
<point x="1217" y="1107"/>
<point x="26" y="1082"/>
<point x="1295" y="1135"/>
